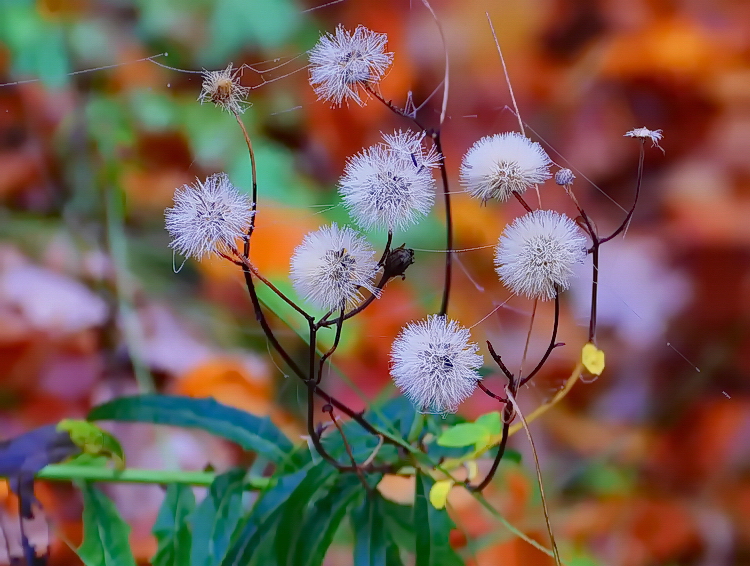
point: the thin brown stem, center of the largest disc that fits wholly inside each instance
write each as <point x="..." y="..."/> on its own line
<point x="387" y="249"/>
<point x="552" y="344"/>
<point x="323" y="323"/>
<point x="495" y="396"/>
<point x="448" y="227"/>
<point x="329" y="353"/>
<point x="246" y="264"/>
<point x="254" y="205"/>
<point x="594" y="289"/>
<point x="519" y="198"/>
<point x="635" y="200"/>
<point x="349" y="452"/>
<point x="499" y="362"/>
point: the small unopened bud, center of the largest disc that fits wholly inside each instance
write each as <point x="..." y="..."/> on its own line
<point x="398" y="261"/>
<point x="564" y="177"/>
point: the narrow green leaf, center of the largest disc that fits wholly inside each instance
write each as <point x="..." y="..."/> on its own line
<point x="263" y="518"/>
<point x="105" y="534"/>
<point x="464" y="434"/>
<point x="432" y="529"/>
<point x="318" y="479"/>
<point x="171" y="528"/>
<point x="322" y="520"/>
<point x="252" y="433"/>
<point x="215" y="519"/>
<point x="370" y="543"/>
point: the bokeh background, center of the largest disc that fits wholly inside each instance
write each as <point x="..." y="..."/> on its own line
<point x="648" y="465"/>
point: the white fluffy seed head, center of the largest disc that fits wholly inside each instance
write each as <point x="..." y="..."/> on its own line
<point x="536" y="254"/>
<point x="223" y="88"/>
<point x="390" y="185"/>
<point x="497" y="166"/>
<point x="208" y="217"/>
<point x="434" y="364"/>
<point x="342" y="65"/>
<point x="331" y="265"/>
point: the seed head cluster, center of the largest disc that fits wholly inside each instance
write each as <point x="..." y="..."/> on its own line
<point x="435" y="365"/>
<point x="497" y="166"/>
<point x="208" y="217"/>
<point x="344" y="64"/>
<point x="390" y="185"/>
<point x="644" y="133"/>
<point x="536" y="254"/>
<point x="223" y="88"/>
<point x="331" y="266"/>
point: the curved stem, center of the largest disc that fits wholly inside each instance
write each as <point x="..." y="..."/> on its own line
<point x="635" y="200"/>
<point x="329" y="353"/>
<point x="498" y="457"/>
<point x="349" y="452"/>
<point x="495" y="396"/>
<point x="387" y="249"/>
<point x="552" y="344"/>
<point x="323" y="323"/>
<point x="254" y="205"/>
<point x="246" y="265"/>
<point x="448" y="226"/>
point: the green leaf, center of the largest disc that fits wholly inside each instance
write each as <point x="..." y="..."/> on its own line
<point x="171" y="528"/>
<point x="105" y="534"/>
<point x="265" y="514"/>
<point x="215" y="519"/>
<point x="432" y="529"/>
<point x="464" y="434"/>
<point x="318" y="479"/>
<point x="370" y="541"/>
<point x="322" y="520"/>
<point x="252" y="433"/>
<point x="492" y="422"/>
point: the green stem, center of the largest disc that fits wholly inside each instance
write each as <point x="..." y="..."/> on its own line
<point x="66" y="472"/>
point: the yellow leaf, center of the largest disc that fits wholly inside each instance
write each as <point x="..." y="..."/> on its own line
<point x="592" y="359"/>
<point x="439" y="493"/>
<point x="471" y="469"/>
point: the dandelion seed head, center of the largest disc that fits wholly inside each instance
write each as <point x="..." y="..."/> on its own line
<point x="208" y="217"/>
<point x="331" y="265"/>
<point x="390" y="185"/>
<point x="410" y="145"/>
<point x="435" y="365"/>
<point x="497" y="166"/>
<point x="536" y="254"/>
<point x="223" y="88"/>
<point x="342" y="65"/>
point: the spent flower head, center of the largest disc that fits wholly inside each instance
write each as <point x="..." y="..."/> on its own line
<point x="332" y="265"/>
<point x="390" y="185"/>
<point x="208" y="217"/>
<point x="223" y="88"/>
<point x="644" y="133"/>
<point x="435" y="365"/>
<point x="535" y="254"/>
<point x="497" y="166"/>
<point x="344" y="64"/>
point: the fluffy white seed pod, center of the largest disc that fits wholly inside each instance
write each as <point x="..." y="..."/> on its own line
<point x="497" y="166"/>
<point x="390" y="185"/>
<point x="223" y="88"/>
<point x="208" y="217"/>
<point x="331" y="265"/>
<point x="409" y="145"/>
<point x="537" y="252"/>
<point x="435" y="365"/>
<point x="342" y="65"/>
